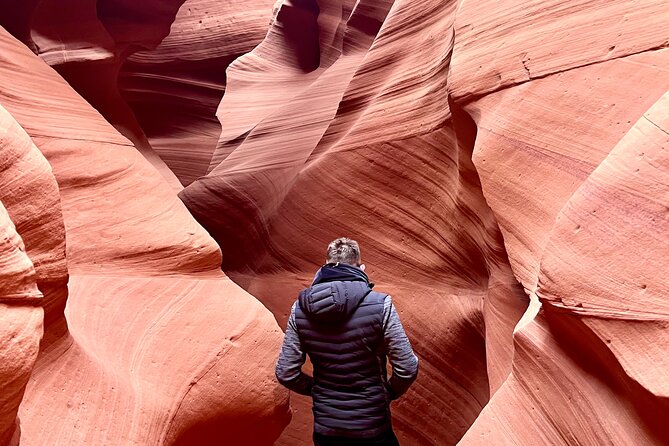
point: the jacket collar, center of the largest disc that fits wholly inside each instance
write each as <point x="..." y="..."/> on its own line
<point x="335" y="272"/>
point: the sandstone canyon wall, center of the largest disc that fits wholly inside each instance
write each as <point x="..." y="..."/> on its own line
<point x="503" y="164"/>
<point x="129" y="280"/>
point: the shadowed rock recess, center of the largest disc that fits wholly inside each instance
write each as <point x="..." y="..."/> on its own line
<point x="504" y="165"/>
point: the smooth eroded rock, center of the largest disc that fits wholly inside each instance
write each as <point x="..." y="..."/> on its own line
<point x="131" y="363"/>
<point x="347" y="132"/>
<point x="21" y="320"/>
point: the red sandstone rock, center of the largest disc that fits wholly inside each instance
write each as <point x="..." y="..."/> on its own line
<point x="617" y="225"/>
<point x="30" y="194"/>
<point x="76" y="39"/>
<point x="174" y="89"/>
<point x="61" y="32"/>
<point x="564" y="148"/>
<point x="538" y="143"/>
<point x="143" y="24"/>
<point x="503" y="43"/>
<point x="33" y="275"/>
<point x="135" y="365"/>
<point x="268" y="173"/>
<point x="373" y="119"/>
<point x="20" y="324"/>
<point x="315" y="143"/>
<point x="68" y="35"/>
<point x="579" y="370"/>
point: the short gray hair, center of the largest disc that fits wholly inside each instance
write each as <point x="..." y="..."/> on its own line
<point x="343" y="250"/>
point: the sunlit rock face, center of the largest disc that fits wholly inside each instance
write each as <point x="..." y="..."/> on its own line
<point x="339" y="126"/>
<point x="147" y="342"/>
<point x="503" y="165"/>
<point x="571" y="150"/>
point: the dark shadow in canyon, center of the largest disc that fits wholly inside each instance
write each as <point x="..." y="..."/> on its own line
<point x="299" y="22"/>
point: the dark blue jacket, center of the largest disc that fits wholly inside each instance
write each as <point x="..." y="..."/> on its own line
<point x="346" y="330"/>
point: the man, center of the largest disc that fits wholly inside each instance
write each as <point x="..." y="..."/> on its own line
<point x="348" y="331"/>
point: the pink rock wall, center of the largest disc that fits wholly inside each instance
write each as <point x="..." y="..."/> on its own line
<point x="128" y="361"/>
<point x="350" y="132"/>
<point x="22" y="320"/>
<point x="174" y="89"/>
<point x="563" y="133"/>
<point x="503" y="165"/>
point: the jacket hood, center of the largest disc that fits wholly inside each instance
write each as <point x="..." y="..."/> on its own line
<point x="335" y="293"/>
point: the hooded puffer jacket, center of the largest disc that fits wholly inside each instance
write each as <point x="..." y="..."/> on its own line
<point x="340" y="324"/>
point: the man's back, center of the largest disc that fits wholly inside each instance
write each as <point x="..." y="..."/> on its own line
<point x="341" y="327"/>
<point x="348" y="331"/>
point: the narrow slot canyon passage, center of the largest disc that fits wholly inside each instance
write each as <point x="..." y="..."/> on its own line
<point x="172" y="172"/>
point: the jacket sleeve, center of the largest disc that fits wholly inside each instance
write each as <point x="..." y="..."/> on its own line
<point x="289" y="366"/>
<point x="400" y="354"/>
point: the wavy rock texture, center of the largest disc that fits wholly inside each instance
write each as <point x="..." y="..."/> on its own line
<point x="60" y="31"/>
<point x="33" y="274"/>
<point x="174" y="89"/>
<point x="21" y="328"/>
<point x="505" y="43"/>
<point x="591" y="366"/>
<point x="365" y="104"/>
<point x="132" y="27"/>
<point x="539" y="144"/>
<point x="30" y="195"/>
<point x="87" y="43"/>
<point x="481" y="152"/>
<point x="337" y="126"/>
<point x="144" y="280"/>
<point x="144" y="24"/>
<point x="155" y="70"/>
<point x="557" y="139"/>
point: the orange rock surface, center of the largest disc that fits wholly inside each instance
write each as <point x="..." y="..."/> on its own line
<point x="174" y="89"/>
<point x="504" y="166"/>
<point x="21" y="328"/>
<point x="591" y="365"/>
<point x="131" y="361"/>
<point x="566" y="113"/>
<point x="351" y="133"/>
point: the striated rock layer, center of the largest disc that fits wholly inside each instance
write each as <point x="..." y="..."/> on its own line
<point x="503" y="165"/>
<point x="338" y="126"/>
<point x="174" y="89"/>
<point x="349" y="125"/>
<point x="21" y="327"/>
<point x="87" y="42"/>
<point x="597" y="312"/>
<point x="155" y="70"/>
<point x="571" y="150"/>
<point x="128" y="361"/>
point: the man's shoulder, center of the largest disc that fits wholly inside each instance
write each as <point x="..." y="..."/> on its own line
<point x="380" y="295"/>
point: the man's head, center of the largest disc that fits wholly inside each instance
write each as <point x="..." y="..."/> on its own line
<point x="344" y="250"/>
